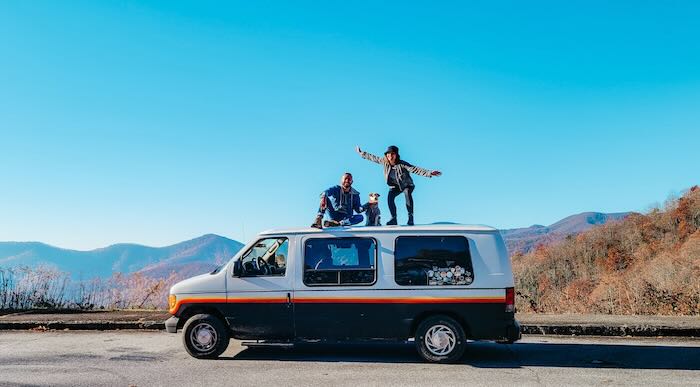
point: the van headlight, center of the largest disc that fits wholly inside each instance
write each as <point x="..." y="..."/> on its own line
<point x="172" y="301"/>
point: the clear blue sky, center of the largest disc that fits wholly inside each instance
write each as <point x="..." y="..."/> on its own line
<point x="155" y="122"/>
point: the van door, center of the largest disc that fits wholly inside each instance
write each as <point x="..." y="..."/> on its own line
<point x="337" y="275"/>
<point x="259" y="293"/>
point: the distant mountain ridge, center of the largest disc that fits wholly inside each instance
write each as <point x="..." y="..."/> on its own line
<point x="524" y="240"/>
<point x="190" y="257"/>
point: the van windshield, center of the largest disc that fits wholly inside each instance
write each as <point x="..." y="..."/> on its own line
<point x="267" y="257"/>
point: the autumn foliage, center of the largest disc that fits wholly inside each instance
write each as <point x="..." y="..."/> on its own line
<point x="644" y="264"/>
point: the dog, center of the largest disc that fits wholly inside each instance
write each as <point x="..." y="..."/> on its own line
<point x="373" y="213"/>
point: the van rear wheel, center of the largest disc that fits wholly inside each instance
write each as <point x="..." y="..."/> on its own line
<point x="440" y="339"/>
<point x="205" y="336"/>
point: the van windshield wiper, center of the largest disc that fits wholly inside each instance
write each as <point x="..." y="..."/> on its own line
<point x="218" y="269"/>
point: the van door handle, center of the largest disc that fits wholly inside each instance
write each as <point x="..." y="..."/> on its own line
<point x="289" y="299"/>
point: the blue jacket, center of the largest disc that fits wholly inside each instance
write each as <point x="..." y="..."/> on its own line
<point x="341" y="202"/>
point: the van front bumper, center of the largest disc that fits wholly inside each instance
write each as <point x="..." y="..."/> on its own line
<point x="171" y="324"/>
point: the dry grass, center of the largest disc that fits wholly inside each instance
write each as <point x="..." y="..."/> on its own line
<point x="645" y="264"/>
<point x="47" y="288"/>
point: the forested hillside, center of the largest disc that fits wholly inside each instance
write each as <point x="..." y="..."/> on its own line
<point x="643" y="264"/>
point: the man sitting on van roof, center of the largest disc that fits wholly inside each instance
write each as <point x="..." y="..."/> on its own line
<point x="340" y="202"/>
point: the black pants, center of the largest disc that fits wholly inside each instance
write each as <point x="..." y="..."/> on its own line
<point x="394" y="192"/>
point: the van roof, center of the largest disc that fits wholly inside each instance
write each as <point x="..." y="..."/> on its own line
<point x="375" y="229"/>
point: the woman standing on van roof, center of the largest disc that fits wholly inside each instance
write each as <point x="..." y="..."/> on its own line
<point x="398" y="176"/>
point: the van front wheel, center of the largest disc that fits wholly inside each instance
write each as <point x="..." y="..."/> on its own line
<point x="205" y="336"/>
<point x="440" y="339"/>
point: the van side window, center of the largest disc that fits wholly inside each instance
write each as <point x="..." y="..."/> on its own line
<point x="267" y="257"/>
<point x="432" y="260"/>
<point x="340" y="261"/>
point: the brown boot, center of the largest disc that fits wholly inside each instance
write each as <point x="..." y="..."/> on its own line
<point x="317" y="222"/>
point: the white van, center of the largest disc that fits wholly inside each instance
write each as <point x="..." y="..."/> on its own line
<point x="439" y="285"/>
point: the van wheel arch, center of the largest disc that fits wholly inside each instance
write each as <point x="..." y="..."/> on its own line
<point x="193" y="310"/>
<point x="425" y="315"/>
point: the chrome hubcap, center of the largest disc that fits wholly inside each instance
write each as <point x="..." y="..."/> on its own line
<point x="203" y="337"/>
<point x="440" y="340"/>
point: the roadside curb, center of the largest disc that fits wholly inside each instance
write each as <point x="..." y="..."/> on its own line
<point x="609" y="330"/>
<point x="528" y="329"/>
<point x="82" y="325"/>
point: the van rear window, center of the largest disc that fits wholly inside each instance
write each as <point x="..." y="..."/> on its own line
<point x="340" y="261"/>
<point x="432" y="260"/>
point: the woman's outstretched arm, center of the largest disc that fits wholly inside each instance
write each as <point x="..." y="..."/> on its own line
<point x="369" y="156"/>
<point x="420" y="171"/>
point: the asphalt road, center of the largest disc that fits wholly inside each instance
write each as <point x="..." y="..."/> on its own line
<point x="149" y="358"/>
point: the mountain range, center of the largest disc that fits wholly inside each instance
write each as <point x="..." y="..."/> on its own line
<point x="523" y="240"/>
<point x="202" y="254"/>
<point x="190" y="257"/>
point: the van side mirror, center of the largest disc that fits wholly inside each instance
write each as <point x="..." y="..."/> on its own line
<point x="237" y="268"/>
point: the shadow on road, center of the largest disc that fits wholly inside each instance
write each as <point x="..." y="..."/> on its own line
<point x="491" y="355"/>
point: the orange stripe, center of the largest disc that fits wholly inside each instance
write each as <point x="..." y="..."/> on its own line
<point x="227" y="301"/>
<point x="257" y="300"/>
<point x="195" y="301"/>
<point x="499" y="300"/>
<point x="414" y="300"/>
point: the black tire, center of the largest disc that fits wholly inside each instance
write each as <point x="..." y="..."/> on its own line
<point x="446" y="341"/>
<point x="203" y="326"/>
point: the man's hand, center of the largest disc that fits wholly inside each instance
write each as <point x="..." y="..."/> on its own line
<point x="435" y="173"/>
<point x="358" y="150"/>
